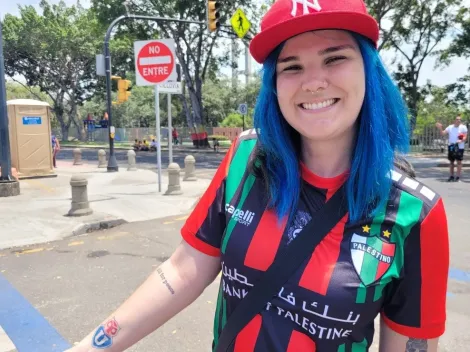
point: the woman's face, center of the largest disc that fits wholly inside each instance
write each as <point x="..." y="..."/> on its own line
<point x="321" y="84"/>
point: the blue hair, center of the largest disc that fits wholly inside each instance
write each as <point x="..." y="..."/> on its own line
<point x="382" y="132"/>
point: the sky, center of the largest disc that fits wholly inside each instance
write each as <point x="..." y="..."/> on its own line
<point x="437" y="76"/>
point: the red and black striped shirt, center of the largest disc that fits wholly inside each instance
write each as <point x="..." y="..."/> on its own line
<point x="394" y="264"/>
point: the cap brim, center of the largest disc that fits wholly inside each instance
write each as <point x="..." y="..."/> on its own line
<point x="266" y="41"/>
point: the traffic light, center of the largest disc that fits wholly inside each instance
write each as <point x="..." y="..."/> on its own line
<point x="213" y="15"/>
<point x="124" y="86"/>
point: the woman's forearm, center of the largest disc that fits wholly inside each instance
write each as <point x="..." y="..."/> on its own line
<point x="165" y="293"/>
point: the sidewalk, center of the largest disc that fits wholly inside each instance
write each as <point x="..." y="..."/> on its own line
<point x="38" y="215"/>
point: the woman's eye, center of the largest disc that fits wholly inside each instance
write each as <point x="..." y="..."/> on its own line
<point x="293" y="68"/>
<point x="334" y="59"/>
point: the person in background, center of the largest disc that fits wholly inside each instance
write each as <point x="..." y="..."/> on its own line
<point x="174" y="134"/>
<point x="215" y="143"/>
<point x="55" y="149"/>
<point x="136" y="145"/>
<point x="457" y="135"/>
<point x="145" y="146"/>
<point x="153" y="146"/>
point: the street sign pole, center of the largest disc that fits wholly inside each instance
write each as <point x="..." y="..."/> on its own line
<point x="159" y="144"/>
<point x="5" y="157"/>
<point x="112" y="163"/>
<point x="170" y="131"/>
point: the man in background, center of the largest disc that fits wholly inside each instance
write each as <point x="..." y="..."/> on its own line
<point x="457" y="135"/>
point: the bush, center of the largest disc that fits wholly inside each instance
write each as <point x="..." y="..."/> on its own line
<point x="218" y="137"/>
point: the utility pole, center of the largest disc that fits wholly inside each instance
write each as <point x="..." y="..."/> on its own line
<point x="8" y="185"/>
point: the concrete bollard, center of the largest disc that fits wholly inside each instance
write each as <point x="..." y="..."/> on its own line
<point x="189" y="168"/>
<point x="174" y="187"/>
<point x="102" y="159"/>
<point x="80" y="204"/>
<point x="77" y="156"/>
<point x="131" y="161"/>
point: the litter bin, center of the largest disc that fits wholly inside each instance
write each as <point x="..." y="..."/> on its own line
<point x="30" y="137"/>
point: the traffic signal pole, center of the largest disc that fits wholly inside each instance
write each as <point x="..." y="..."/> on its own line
<point x="112" y="162"/>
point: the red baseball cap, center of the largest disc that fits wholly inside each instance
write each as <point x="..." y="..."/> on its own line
<point x="288" y="18"/>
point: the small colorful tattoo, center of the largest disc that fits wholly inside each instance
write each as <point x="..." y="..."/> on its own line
<point x="103" y="337"/>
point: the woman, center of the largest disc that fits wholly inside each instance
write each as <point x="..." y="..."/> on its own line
<point x="328" y="114"/>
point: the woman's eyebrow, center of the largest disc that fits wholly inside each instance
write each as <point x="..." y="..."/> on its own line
<point x="326" y="51"/>
<point x="336" y="48"/>
<point x="287" y="59"/>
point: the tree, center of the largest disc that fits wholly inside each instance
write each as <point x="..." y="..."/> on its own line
<point x="194" y="45"/>
<point x="388" y="14"/>
<point x="55" y="51"/>
<point x="423" y="27"/>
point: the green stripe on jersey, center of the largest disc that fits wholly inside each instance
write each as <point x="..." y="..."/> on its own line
<point x="359" y="346"/>
<point x="237" y="168"/>
<point x="247" y="186"/>
<point x="408" y="214"/>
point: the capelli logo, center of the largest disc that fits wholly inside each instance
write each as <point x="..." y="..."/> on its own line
<point x="240" y="216"/>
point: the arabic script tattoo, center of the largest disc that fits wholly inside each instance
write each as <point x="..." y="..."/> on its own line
<point x="416" y="345"/>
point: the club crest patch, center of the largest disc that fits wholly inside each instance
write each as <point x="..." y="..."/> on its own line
<point x="371" y="257"/>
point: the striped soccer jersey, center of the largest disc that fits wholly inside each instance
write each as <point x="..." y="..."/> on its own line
<point x="394" y="264"/>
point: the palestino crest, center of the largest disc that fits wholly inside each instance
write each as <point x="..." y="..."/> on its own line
<point x="371" y="257"/>
<point x="307" y="4"/>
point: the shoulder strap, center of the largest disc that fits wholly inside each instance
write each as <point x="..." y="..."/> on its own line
<point x="323" y="221"/>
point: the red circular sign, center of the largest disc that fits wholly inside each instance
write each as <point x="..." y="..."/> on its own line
<point x="155" y="62"/>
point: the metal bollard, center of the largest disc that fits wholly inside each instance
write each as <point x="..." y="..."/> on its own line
<point x="102" y="159"/>
<point x="77" y="156"/>
<point x="189" y="168"/>
<point x="80" y="204"/>
<point x="131" y="161"/>
<point x="174" y="187"/>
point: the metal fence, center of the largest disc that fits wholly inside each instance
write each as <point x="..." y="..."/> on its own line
<point x="129" y="135"/>
<point x="427" y="139"/>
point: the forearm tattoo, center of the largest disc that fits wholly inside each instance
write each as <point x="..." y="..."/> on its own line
<point x="417" y="345"/>
<point x="103" y="337"/>
<point x="165" y="281"/>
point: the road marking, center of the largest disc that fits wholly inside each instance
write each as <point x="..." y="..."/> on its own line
<point x="24" y="324"/>
<point x="112" y="237"/>
<point x="76" y="243"/>
<point x="6" y="345"/>
<point x="459" y="275"/>
<point x="182" y="218"/>
<point x="40" y="185"/>
<point x="168" y="222"/>
<point x="29" y="251"/>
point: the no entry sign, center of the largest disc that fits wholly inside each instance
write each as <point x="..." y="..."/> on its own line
<point x="155" y="61"/>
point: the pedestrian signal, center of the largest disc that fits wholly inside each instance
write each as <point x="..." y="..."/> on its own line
<point x="213" y="15"/>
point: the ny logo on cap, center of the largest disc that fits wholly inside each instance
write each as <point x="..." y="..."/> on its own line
<point x="312" y="4"/>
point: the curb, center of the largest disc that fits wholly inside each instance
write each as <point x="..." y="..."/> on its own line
<point x="447" y="165"/>
<point x="96" y="226"/>
<point x="195" y="151"/>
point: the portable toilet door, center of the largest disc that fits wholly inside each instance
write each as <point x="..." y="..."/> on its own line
<point x="30" y="137"/>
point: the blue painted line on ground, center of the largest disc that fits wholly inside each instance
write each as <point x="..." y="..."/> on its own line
<point x="25" y="326"/>
<point x="459" y="275"/>
<point x="450" y="295"/>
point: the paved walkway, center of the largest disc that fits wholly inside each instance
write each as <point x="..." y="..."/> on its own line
<point x="39" y="214"/>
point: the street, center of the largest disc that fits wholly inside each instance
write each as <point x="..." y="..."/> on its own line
<point x="77" y="282"/>
<point x="207" y="159"/>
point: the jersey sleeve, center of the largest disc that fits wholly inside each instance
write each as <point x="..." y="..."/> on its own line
<point x="205" y="226"/>
<point x="415" y="305"/>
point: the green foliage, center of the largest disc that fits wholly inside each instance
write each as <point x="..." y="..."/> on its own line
<point x="236" y="120"/>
